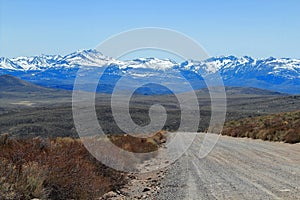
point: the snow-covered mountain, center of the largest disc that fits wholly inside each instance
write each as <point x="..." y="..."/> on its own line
<point x="88" y="58"/>
<point x="282" y="75"/>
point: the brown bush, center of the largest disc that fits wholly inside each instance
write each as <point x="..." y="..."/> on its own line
<point x="22" y="183"/>
<point x="62" y="169"/>
<point x="278" y="127"/>
<point x="292" y="136"/>
<point x="139" y="145"/>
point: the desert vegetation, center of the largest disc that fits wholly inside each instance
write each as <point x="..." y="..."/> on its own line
<point x="59" y="168"/>
<point x="276" y="127"/>
<point x="139" y="144"/>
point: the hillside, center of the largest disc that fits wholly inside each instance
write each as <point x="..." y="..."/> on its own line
<point x="276" y="127"/>
<point x="9" y="83"/>
<point x="17" y="94"/>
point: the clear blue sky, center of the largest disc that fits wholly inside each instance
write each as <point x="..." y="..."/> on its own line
<point x="258" y="28"/>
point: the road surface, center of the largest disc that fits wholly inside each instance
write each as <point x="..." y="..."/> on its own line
<point x="237" y="168"/>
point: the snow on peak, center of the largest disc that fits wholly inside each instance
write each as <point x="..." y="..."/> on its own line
<point x="152" y="63"/>
<point x="36" y="62"/>
<point x="7" y="64"/>
<point x="89" y="57"/>
<point x="94" y="58"/>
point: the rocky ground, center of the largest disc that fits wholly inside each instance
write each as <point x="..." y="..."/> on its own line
<point x="140" y="186"/>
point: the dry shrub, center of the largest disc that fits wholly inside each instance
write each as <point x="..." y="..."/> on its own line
<point x="252" y="135"/>
<point x="24" y="182"/>
<point x="58" y="169"/>
<point x="292" y="136"/>
<point x="77" y="176"/>
<point x="278" y="127"/>
<point x="144" y="148"/>
<point x="139" y="145"/>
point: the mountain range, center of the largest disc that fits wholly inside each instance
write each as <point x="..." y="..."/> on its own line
<point x="55" y="71"/>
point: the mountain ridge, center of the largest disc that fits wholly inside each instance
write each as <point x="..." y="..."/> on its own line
<point x="281" y="75"/>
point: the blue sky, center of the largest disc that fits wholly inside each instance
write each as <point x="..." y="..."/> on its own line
<point x="258" y="28"/>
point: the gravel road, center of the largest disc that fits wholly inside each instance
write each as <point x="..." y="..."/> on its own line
<point x="237" y="168"/>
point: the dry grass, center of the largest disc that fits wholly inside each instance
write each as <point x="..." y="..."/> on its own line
<point x="54" y="169"/>
<point x="277" y="127"/>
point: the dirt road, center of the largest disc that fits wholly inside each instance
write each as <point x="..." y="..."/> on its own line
<point x="237" y="168"/>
